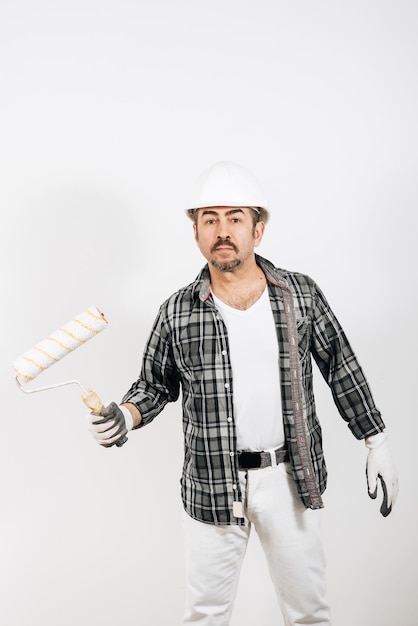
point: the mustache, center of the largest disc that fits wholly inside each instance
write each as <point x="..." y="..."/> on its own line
<point x="222" y="243"/>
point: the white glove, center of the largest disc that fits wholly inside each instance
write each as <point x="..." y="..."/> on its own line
<point x="380" y="465"/>
<point x="110" y="426"/>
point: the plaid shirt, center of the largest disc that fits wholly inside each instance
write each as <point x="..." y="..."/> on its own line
<point x="188" y="349"/>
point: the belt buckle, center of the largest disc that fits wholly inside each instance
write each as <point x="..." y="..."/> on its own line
<point x="249" y="460"/>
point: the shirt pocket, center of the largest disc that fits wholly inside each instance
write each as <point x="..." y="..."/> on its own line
<point x="303" y="326"/>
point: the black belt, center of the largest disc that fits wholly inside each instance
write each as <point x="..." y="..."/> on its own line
<point x="258" y="460"/>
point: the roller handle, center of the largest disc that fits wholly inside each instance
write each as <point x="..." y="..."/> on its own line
<point x="93" y="402"/>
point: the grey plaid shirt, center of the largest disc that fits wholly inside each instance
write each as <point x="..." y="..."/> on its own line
<point x="188" y="349"/>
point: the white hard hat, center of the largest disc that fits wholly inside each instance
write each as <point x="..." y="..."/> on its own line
<point x="227" y="184"/>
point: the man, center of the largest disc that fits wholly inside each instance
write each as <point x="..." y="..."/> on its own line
<point x="238" y="342"/>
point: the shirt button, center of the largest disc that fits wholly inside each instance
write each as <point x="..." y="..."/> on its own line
<point x="231" y="454"/>
<point x="229" y="419"/>
<point x="223" y="352"/>
<point x="234" y="487"/>
<point x="226" y="385"/>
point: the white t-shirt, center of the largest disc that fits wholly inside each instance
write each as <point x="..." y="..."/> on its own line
<point x="254" y="354"/>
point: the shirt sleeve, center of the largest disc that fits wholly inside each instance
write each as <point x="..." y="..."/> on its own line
<point x="341" y="370"/>
<point x="159" y="382"/>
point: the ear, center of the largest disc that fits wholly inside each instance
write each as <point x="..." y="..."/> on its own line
<point x="258" y="233"/>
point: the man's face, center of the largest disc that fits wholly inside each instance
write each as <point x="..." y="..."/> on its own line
<point x="227" y="236"/>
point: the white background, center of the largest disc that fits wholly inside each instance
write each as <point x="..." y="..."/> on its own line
<point x="108" y="111"/>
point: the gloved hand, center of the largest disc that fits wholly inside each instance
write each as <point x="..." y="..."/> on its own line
<point x="110" y="426"/>
<point x="380" y="465"/>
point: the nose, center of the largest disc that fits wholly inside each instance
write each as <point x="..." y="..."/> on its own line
<point x="222" y="231"/>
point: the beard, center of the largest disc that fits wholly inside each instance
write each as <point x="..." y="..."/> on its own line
<point x="226" y="267"/>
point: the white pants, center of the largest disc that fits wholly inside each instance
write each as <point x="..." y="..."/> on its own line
<point x="290" y="536"/>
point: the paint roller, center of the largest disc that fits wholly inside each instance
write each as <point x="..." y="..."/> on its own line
<point x="55" y="347"/>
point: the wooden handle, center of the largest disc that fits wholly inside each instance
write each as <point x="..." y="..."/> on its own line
<point x="92" y="401"/>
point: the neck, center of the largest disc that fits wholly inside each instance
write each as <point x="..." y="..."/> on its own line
<point x="239" y="288"/>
